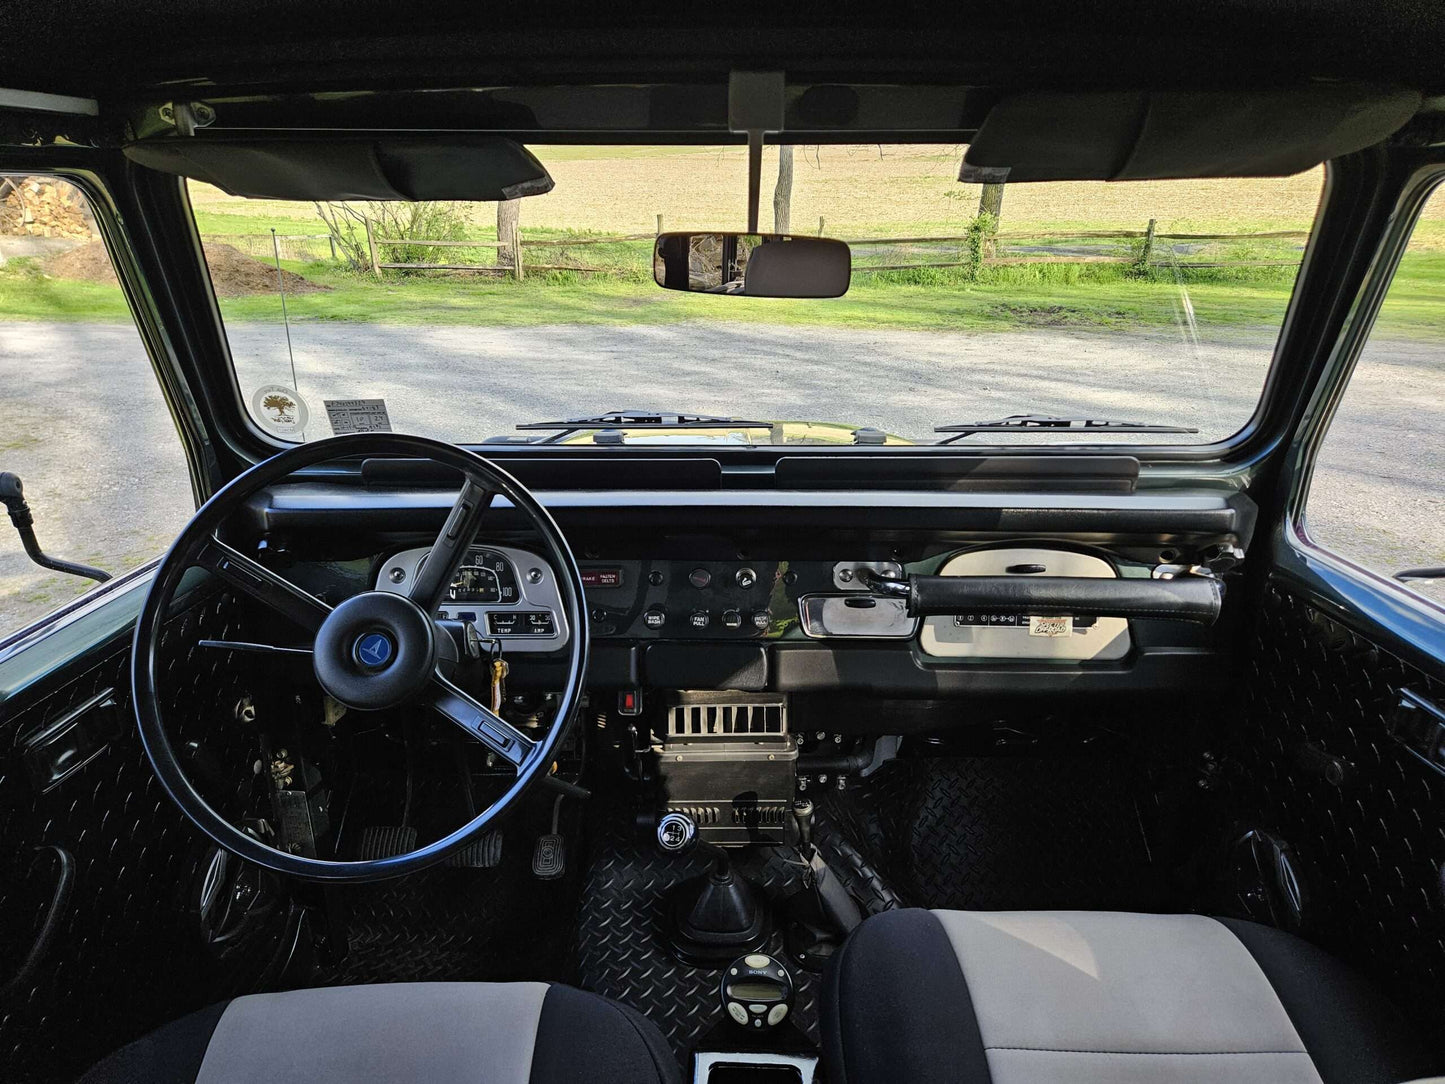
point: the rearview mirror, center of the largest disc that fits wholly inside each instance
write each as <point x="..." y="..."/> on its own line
<point x="752" y="264"/>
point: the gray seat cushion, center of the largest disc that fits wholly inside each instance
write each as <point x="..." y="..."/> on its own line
<point x="400" y="1033"/>
<point x="1092" y="997"/>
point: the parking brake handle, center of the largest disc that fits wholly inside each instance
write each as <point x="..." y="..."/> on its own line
<point x="1193" y="598"/>
<point x="12" y="493"/>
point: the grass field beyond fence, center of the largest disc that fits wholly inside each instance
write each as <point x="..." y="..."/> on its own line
<point x="1066" y="255"/>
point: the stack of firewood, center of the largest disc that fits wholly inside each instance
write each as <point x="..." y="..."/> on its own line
<point x="40" y="207"/>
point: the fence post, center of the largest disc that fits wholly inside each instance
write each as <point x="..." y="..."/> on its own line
<point x="820" y="225"/>
<point x="371" y="247"/>
<point x="659" y="224"/>
<point x="331" y="237"/>
<point x="1147" y="252"/>
<point x="516" y="254"/>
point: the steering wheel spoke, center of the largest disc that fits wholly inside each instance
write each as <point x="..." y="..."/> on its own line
<point x="258" y="581"/>
<point x="441" y="564"/>
<point x="498" y="735"/>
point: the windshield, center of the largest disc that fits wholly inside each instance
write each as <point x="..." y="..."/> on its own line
<point x="1141" y="302"/>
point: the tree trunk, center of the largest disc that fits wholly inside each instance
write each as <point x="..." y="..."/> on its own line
<point x="509" y="212"/>
<point x="991" y="203"/>
<point x="783" y="193"/>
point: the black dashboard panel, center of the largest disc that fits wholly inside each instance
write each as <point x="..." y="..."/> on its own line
<point x="700" y="588"/>
<point x="879" y="515"/>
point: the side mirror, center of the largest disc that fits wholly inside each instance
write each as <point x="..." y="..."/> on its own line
<point x="12" y="495"/>
<point x="752" y="264"/>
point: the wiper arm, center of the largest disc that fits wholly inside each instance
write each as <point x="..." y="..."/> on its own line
<point x="644" y="419"/>
<point x="1421" y="574"/>
<point x="1025" y="422"/>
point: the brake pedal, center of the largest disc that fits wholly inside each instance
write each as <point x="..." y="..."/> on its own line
<point x="482" y="853"/>
<point x="386" y="842"/>
<point x="549" y="857"/>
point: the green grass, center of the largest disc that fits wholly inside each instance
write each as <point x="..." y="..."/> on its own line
<point x="1056" y="295"/>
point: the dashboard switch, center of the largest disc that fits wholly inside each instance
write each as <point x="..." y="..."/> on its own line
<point x="699" y="578"/>
<point x="745" y="578"/>
<point x="762" y="620"/>
<point x="654" y="619"/>
<point x="700" y="619"/>
<point x="731" y="619"/>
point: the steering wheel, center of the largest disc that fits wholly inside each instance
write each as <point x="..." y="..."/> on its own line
<point x="374" y="651"/>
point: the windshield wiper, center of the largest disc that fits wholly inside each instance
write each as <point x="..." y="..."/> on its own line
<point x="644" y="419"/>
<point x="1025" y="422"/>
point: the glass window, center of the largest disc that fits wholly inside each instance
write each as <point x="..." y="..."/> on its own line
<point x="82" y="420"/>
<point x="1378" y="492"/>
<point x="1153" y="302"/>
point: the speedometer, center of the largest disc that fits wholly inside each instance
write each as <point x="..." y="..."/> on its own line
<point x="475" y="583"/>
<point x="487" y="578"/>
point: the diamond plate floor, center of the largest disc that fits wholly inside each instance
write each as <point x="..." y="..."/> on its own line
<point x="1025" y="833"/>
<point x="622" y="954"/>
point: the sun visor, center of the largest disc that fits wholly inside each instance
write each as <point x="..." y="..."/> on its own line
<point x="484" y="168"/>
<point x="1144" y="135"/>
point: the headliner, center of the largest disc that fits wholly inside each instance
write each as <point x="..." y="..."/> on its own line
<point x="113" y="49"/>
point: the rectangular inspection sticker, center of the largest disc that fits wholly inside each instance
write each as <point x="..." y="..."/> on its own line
<point x="358" y="416"/>
<point x="1051" y="626"/>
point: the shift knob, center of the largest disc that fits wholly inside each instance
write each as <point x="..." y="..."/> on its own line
<point x="676" y="832"/>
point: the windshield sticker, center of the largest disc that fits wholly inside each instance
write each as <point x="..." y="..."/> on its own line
<point x="280" y="410"/>
<point x="358" y="416"/>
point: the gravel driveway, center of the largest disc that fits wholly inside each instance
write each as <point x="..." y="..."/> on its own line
<point x="82" y="422"/>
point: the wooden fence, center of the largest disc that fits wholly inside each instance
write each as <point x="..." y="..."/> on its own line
<point x="1145" y="248"/>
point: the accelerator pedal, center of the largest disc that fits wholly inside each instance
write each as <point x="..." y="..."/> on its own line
<point x="549" y="857"/>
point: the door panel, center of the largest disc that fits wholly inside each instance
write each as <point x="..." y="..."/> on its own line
<point x="1318" y="767"/>
<point x="128" y="952"/>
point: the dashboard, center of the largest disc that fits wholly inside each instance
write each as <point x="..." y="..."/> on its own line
<point x="510" y="594"/>
<point x="757" y="587"/>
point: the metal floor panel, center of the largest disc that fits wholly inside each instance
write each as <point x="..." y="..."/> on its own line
<point x="621" y="952"/>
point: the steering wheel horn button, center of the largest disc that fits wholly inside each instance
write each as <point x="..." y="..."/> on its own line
<point x="374" y="650"/>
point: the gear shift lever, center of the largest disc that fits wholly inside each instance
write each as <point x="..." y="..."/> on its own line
<point x="803" y="818"/>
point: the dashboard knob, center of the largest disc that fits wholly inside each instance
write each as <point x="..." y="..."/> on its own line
<point x="654" y="619"/>
<point x="700" y="619"/>
<point x="699" y="578"/>
<point x="731" y="619"/>
<point x="745" y="578"/>
<point x="762" y="620"/>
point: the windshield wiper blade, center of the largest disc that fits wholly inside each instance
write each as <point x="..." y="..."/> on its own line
<point x="647" y="419"/>
<point x="1024" y="422"/>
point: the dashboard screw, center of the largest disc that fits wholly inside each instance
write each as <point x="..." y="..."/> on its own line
<point x="396" y="575"/>
<point x="534" y="575"/>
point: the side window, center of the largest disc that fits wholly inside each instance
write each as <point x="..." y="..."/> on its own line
<point x="82" y="420"/>
<point x="1377" y="497"/>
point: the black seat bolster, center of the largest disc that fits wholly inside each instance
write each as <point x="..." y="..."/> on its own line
<point x="1353" y="1034"/>
<point x="583" y="1038"/>
<point x="171" y="1054"/>
<point x="896" y="1007"/>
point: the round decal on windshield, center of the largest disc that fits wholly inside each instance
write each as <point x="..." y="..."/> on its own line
<point x="280" y="410"/>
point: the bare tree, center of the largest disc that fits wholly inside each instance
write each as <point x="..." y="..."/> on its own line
<point x="509" y="213"/>
<point x="783" y="193"/>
